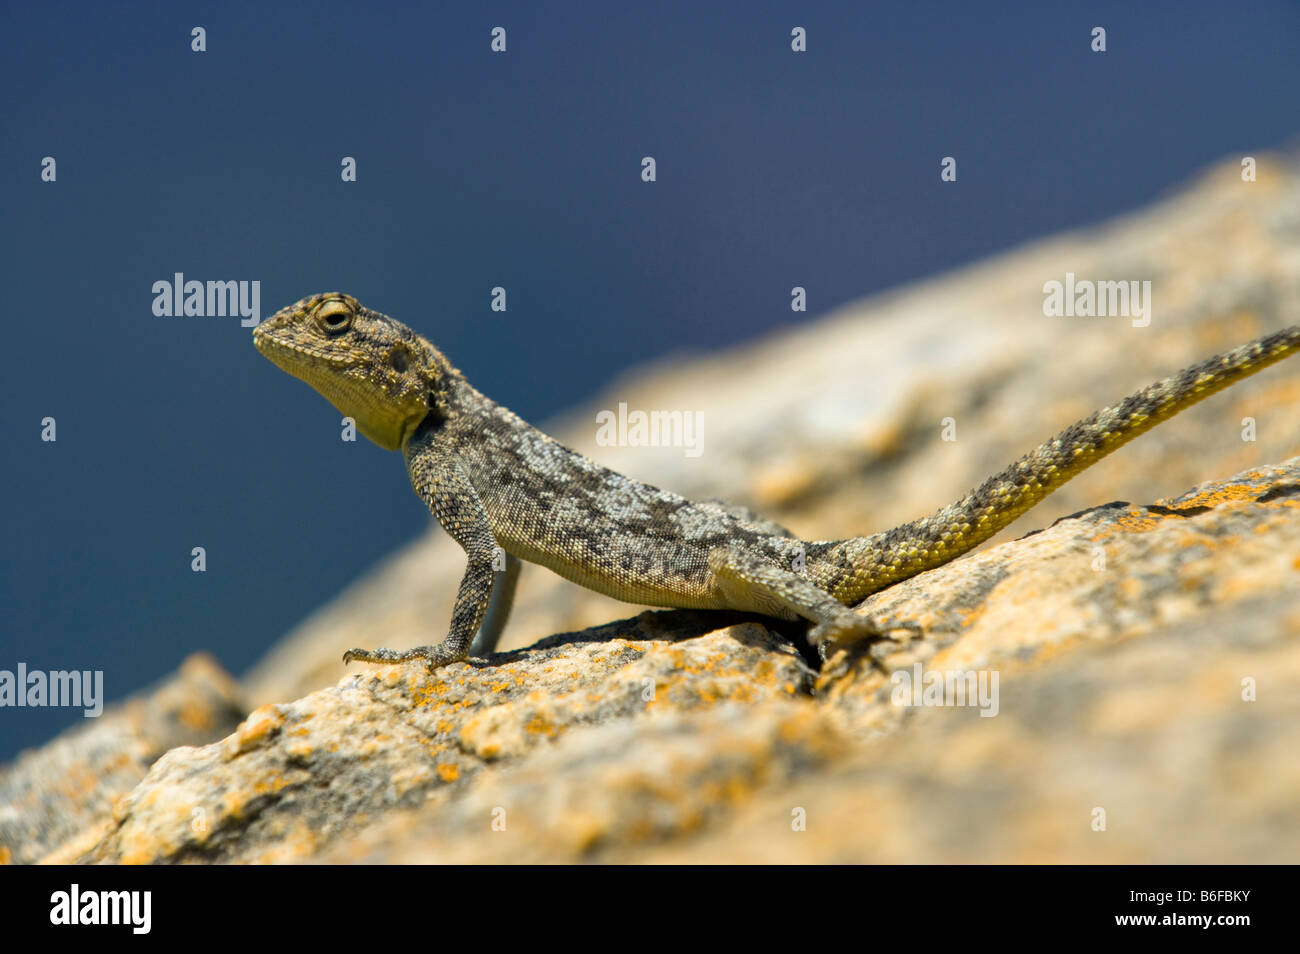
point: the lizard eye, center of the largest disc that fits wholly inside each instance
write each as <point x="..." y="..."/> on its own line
<point x="334" y="316"/>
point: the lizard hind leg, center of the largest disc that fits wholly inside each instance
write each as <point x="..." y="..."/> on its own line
<point x="498" y="612"/>
<point x="755" y="584"/>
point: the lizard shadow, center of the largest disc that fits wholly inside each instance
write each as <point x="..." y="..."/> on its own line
<point x="673" y="626"/>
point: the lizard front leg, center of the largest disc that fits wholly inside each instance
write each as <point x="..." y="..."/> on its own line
<point x="444" y="488"/>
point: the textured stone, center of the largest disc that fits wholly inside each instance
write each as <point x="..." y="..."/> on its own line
<point x="1120" y="689"/>
<point x="295" y="776"/>
<point x="56" y="801"/>
<point x="665" y="738"/>
<point x="1110" y="573"/>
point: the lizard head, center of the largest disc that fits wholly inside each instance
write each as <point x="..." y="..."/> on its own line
<point x="372" y="368"/>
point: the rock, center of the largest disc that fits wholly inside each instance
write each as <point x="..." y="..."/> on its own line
<point x="296" y="776"/>
<point x="1149" y="736"/>
<point x="56" y="802"/>
<point x="1111" y="573"/>
<point x="1154" y="686"/>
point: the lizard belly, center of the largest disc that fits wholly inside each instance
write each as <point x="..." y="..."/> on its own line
<point x="648" y="572"/>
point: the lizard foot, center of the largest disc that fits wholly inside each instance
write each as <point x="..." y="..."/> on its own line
<point x="433" y="656"/>
<point x="844" y="631"/>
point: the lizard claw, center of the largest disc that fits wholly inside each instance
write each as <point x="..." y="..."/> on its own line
<point x="830" y="637"/>
<point x="374" y="656"/>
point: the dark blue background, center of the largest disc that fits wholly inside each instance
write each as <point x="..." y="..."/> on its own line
<point x="477" y="170"/>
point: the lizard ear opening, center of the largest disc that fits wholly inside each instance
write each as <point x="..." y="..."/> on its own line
<point x="437" y="402"/>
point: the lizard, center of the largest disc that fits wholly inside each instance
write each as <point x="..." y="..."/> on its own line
<point x="506" y="492"/>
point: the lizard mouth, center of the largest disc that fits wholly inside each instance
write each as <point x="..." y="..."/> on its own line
<point x="289" y="356"/>
<point x="269" y="346"/>
<point x="262" y="341"/>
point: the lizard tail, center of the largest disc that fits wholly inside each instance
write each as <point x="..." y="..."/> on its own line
<point x="853" y="569"/>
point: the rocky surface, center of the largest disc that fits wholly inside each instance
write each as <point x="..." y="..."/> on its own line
<point x="296" y="775"/>
<point x="1146" y="654"/>
<point x="56" y="802"/>
<point x="1146" y="661"/>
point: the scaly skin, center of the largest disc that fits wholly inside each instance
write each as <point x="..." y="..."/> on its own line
<point x="507" y="492"/>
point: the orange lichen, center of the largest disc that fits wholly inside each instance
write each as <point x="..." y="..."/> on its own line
<point x="261" y="724"/>
<point x="428" y="693"/>
<point x="744" y="692"/>
<point x="539" y="725"/>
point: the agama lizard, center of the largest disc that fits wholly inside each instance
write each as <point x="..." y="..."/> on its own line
<point x="507" y="492"/>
